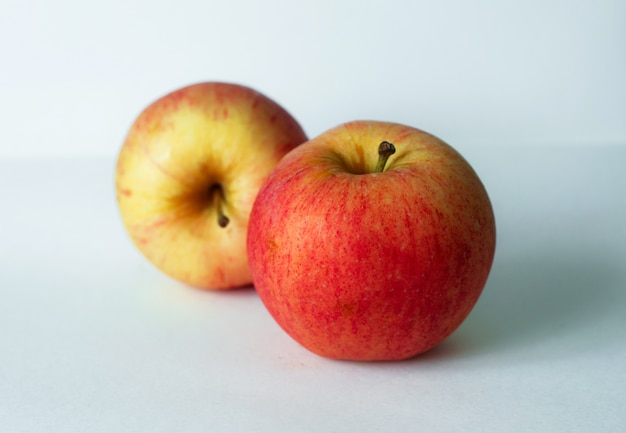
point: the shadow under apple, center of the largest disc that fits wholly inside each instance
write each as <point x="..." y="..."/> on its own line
<point x="535" y="300"/>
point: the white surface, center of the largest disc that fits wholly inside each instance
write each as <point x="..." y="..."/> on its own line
<point x="75" y="74"/>
<point x="93" y="339"/>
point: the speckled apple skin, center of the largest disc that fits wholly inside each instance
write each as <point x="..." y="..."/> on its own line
<point x="358" y="265"/>
<point x="177" y="148"/>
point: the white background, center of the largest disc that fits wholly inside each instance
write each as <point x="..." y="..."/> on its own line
<point x="94" y="339"/>
<point x="75" y="74"/>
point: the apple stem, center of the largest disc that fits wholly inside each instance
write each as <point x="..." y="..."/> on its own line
<point x="218" y="200"/>
<point x="385" y="150"/>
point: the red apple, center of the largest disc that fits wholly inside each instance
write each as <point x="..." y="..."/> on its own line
<point x="361" y="257"/>
<point x="188" y="173"/>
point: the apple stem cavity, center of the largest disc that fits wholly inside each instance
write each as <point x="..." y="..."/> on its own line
<point x="385" y="150"/>
<point x="217" y="193"/>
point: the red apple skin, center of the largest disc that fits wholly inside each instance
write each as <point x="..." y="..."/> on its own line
<point x="177" y="150"/>
<point x="366" y="266"/>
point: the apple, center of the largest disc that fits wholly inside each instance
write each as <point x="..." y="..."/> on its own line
<point x="188" y="173"/>
<point x="360" y="253"/>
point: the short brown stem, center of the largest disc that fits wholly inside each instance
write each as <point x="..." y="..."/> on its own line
<point x="217" y="194"/>
<point x="385" y="150"/>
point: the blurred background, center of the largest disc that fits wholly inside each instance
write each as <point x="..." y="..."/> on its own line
<point x="75" y="74"/>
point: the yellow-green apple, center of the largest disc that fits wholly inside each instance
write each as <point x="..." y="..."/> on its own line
<point x="188" y="173"/>
<point x="360" y="253"/>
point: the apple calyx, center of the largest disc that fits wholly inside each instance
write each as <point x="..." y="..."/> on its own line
<point x="385" y="150"/>
<point x="217" y="193"/>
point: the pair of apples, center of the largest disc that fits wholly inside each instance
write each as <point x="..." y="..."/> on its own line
<point x="372" y="241"/>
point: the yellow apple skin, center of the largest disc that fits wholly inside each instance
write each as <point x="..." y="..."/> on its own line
<point x="362" y="265"/>
<point x="180" y="153"/>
